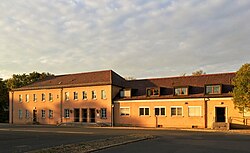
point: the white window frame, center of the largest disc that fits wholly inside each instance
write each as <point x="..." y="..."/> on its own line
<point x="50" y="97"/>
<point x="20" y="114"/>
<point x="144" y="110"/>
<point x="66" y="113"/>
<point x="125" y="113"/>
<point x="75" y="95"/>
<point x="43" y="97"/>
<point x="27" y="97"/>
<point x="176" y="111"/>
<point x="20" y="98"/>
<point x="84" y="95"/>
<point x="51" y="113"/>
<point x="93" y="94"/>
<point x="160" y="110"/>
<point x="103" y="113"/>
<point x="66" y="96"/>
<point x="34" y="97"/>
<point x="195" y="115"/>
<point x="43" y="113"/>
<point x="103" y="94"/>
<point x="27" y="114"/>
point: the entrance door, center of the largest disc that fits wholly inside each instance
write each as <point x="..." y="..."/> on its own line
<point x="76" y="115"/>
<point x="84" y="115"/>
<point x="34" y="116"/>
<point x="220" y="114"/>
<point x="92" y="115"/>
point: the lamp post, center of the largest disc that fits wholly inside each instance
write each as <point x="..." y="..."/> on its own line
<point x="112" y="115"/>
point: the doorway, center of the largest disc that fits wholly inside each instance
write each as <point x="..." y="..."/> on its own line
<point x="220" y="114"/>
<point x="84" y="115"/>
<point x="76" y="115"/>
<point x="34" y="116"/>
<point x="92" y="115"/>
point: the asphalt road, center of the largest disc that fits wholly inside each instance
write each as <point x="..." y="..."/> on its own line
<point x="27" y="138"/>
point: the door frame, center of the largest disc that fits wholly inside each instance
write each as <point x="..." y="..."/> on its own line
<point x="75" y="117"/>
<point x="226" y="112"/>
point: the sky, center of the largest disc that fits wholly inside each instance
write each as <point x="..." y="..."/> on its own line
<point x="135" y="38"/>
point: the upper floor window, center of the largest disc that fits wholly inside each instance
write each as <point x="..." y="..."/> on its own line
<point x="152" y="92"/>
<point x="20" y="98"/>
<point x="50" y="97"/>
<point x="75" y="95"/>
<point x="66" y="95"/>
<point x="34" y="97"/>
<point x="93" y="94"/>
<point x="84" y="95"/>
<point x="43" y="96"/>
<point x="103" y="94"/>
<point x="27" y="98"/>
<point x="213" y="89"/>
<point x="181" y="91"/>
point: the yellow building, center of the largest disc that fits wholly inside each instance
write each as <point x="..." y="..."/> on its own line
<point x="105" y="98"/>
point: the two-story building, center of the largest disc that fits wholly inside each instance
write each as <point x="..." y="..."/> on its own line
<point x="104" y="97"/>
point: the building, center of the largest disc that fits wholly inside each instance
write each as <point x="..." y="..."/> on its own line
<point x="104" y="97"/>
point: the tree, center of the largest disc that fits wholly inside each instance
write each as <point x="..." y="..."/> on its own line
<point x="198" y="72"/>
<point x="130" y="78"/>
<point x="4" y="99"/>
<point x="241" y="91"/>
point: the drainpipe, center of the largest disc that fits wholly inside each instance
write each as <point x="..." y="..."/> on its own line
<point x="205" y="111"/>
<point x="12" y="102"/>
<point x="61" y="108"/>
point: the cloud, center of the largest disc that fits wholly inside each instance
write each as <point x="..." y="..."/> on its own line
<point x="139" y="38"/>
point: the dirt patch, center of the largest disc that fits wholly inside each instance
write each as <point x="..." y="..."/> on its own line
<point x="91" y="146"/>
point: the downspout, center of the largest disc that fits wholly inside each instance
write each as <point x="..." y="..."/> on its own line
<point x="61" y="107"/>
<point x="12" y="102"/>
<point x="205" y="111"/>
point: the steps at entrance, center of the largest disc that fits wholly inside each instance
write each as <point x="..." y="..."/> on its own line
<point x="83" y="124"/>
<point x="221" y="126"/>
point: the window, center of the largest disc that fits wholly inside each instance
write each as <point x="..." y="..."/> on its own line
<point x="20" y="114"/>
<point x="143" y="111"/>
<point x="75" y="95"/>
<point x="161" y="111"/>
<point x="20" y="98"/>
<point x="50" y="97"/>
<point x="152" y="92"/>
<point x="194" y="110"/>
<point x="50" y="113"/>
<point x="176" y="111"/>
<point x="246" y="111"/>
<point x="84" y="95"/>
<point x="103" y="113"/>
<point x="181" y="91"/>
<point x="213" y="89"/>
<point x="66" y="113"/>
<point x="43" y="113"/>
<point x="66" y="95"/>
<point x="93" y="94"/>
<point x="27" y="114"/>
<point x="34" y="97"/>
<point x="27" y="98"/>
<point x="103" y="94"/>
<point x="43" y="96"/>
<point x="124" y="111"/>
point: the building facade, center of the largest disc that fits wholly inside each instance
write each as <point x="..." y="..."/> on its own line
<point x="105" y="98"/>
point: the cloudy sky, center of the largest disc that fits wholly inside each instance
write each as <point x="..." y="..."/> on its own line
<point x="139" y="38"/>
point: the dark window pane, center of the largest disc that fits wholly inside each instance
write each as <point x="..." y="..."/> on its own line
<point x="141" y="111"/>
<point x="162" y="111"/>
<point x="146" y="111"/>
<point x="157" y="111"/>
<point x="173" y="111"/>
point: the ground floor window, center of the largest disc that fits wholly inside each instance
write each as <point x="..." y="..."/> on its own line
<point x="124" y="111"/>
<point x="50" y="113"/>
<point x="20" y="114"/>
<point x="161" y="111"/>
<point x="27" y="114"/>
<point x="43" y="113"/>
<point x="66" y="113"/>
<point x="103" y="113"/>
<point x="194" y="110"/>
<point x="144" y="111"/>
<point x="176" y="111"/>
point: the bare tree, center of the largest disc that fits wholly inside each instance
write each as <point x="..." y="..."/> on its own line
<point x="198" y="72"/>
